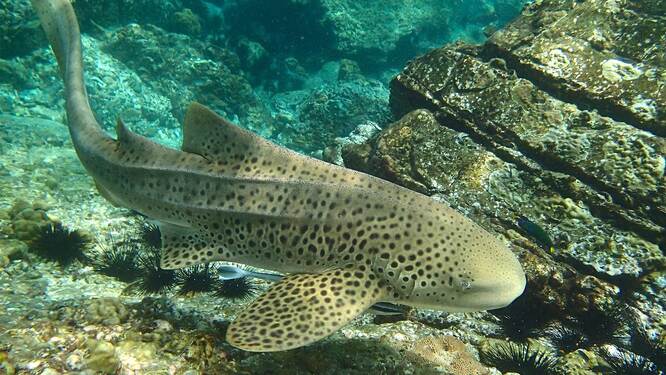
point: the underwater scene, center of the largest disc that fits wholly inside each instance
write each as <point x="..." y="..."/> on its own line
<point x="333" y="187"/>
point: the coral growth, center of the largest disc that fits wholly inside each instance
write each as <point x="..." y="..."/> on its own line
<point x="106" y="311"/>
<point x="28" y="220"/>
<point x="448" y="354"/>
<point x="185" y="22"/>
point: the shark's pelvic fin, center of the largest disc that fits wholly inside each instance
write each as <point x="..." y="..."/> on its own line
<point x="303" y="308"/>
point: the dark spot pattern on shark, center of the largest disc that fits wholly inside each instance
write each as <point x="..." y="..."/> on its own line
<point x="347" y="239"/>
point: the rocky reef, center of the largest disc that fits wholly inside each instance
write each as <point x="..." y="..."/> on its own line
<point x="550" y="121"/>
<point x="373" y="32"/>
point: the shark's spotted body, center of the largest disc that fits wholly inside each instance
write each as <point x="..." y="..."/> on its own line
<point x="347" y="239"/>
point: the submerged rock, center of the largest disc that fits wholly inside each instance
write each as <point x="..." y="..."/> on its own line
<point x="94" y="14"/>
<point x="19" y="34"/>
<point x="596" y="171"/>
<point x="515" y="117"/>
<point x="310" y="121"/>
<point x="600" y="54"/>
<point x="215" y="71"/>
<point x="137" y="79"/>
<point x="419" y="153"/>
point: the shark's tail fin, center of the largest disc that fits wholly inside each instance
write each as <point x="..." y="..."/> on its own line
<point x="56" y="17"/>
<point x="59" y="22"/>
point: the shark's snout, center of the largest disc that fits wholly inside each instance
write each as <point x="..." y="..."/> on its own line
<point x="501" y="292"/>
<point x="494" y="283"/>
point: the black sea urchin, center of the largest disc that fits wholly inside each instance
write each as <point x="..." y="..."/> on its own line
<point x="643" y="344"/>
<point x="195" y="279"/>
<point x="567" y="339"/>
<point x="602" y="327"/>
<point x="523" y="317"/>
<point x="520" y="358"/>
<point x="120" y="260"/>
<point x="241" y="288"/>
<point x="61" y="244"/>
<point x="153" y="279"/>
<point x="628" y="363"/>
<point x="150" y="235"/>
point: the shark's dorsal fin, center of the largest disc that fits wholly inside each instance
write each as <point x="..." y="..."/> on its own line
<point x="303" y="308"/>
<point x="241" y="152"/>
<point x="126" y="137"/>
<point x="133" y="146"/>
<point x="210" y="135"/>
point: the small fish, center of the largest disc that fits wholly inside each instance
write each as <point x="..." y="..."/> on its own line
<point x="387" y="308"/>
<point x="229" y="272"/>
<point x="537" y="233"/>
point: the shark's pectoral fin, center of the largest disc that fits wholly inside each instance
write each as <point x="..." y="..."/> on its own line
<point x="304" y="308"/>
<point x="183" y="247"/>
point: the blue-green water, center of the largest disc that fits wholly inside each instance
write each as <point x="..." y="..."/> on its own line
<point x="553" y="117"/>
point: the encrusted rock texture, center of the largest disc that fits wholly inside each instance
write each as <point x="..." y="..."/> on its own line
<point x="558" y="118"/>
<point x="605" y="55"/>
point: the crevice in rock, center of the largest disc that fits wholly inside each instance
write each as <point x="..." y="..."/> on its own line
<point x="551" y="86"/>
<point x="620" y="211"/>
<point x="627" y="283"/>
<point x="641" y="205"/>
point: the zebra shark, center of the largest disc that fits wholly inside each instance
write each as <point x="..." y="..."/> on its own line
<point x="345" y="239"/>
